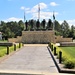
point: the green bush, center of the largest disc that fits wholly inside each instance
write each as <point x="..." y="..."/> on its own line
<point x="70" y="63"/>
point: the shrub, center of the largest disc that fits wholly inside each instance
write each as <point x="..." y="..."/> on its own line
<point x="70" y="63"/>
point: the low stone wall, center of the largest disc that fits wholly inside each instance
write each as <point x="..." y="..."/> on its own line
<point x="35" y="37"/>
<point x="64" y="44"/>
<point x="59" y="39"/>
<point x="17" y="40"/>
<point x="38" y="36"/>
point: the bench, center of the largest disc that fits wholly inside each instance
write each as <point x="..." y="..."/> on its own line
<point x="6" y="44"/>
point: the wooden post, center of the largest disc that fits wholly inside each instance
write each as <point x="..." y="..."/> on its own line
<point x="14" y="47"/>
<point x="22" y="44"/>
<point x="60" y="56"/>
<point x="7" y="50"/>
<point x="54" y="50"/>
<point x="52" y="47"/>
<point x="19" y="45"/>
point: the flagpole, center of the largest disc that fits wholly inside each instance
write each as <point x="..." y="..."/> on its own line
<point x="24" y="16"/>
<point x="38" y="11"/>
<point x="53" y="21"/>
<point x="54" y="25"/>
<point x="24" y="19"/>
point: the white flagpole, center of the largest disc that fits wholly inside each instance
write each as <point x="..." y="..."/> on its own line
<point x="38" y="11"/>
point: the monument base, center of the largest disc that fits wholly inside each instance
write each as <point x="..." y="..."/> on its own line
<point x="38" y="37"/>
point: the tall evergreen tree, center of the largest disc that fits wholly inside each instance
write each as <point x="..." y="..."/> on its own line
<point x="65" y="29"/>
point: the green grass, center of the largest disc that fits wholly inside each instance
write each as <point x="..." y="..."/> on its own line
<point x="69" y="50"/>
<point x="3" y="50"/>
<point x="3" y="40"/>
<point x="68" y="56"/>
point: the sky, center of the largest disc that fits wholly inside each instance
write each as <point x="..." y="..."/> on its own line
<point x="13" y="10"/>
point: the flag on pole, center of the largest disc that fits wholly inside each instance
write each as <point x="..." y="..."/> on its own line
<point x="53" y="16"/>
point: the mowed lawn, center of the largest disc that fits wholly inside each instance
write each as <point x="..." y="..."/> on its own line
<point x="3" y="50"/>
<point x="69" y="50"/>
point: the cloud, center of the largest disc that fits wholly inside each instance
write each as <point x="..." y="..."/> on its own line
<point x="24" y="8"/>
<point x="54" y="4"/>
<point x="60" y="22"/>
<point x="44" y="13"/>
<point x="34" y="9"/>
<point x="43" y="5"/>
<point x="13" y="19"/>
<point x="70" y="22"/>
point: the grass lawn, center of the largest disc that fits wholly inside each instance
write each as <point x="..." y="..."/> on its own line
<point x="3" y="50"/>
<point x="69" y="50"/>
<point x="3" y="41"/>
<point x="68" y="56"/>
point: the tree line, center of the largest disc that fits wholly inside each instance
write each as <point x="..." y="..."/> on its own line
<point x="11" y="29"/>
<point x="14" y="29"/>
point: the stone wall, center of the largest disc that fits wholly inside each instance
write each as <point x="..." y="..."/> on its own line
<point x="18" y="39"/>
<point x="38" y="36"/>
<point x="61" y="39"/>
<point x="64" y="44"/>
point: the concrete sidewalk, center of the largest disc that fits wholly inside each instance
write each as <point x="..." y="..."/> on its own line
<point x="35" y="58"/>
<point x="30" y="58"/>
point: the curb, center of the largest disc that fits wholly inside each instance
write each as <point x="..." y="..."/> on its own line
<point x="58" y="67"/>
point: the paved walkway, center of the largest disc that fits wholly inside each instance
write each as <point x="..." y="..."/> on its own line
<point x="30" y="58"/>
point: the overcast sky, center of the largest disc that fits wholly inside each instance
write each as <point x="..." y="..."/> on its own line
<point x="13" y="10"/>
